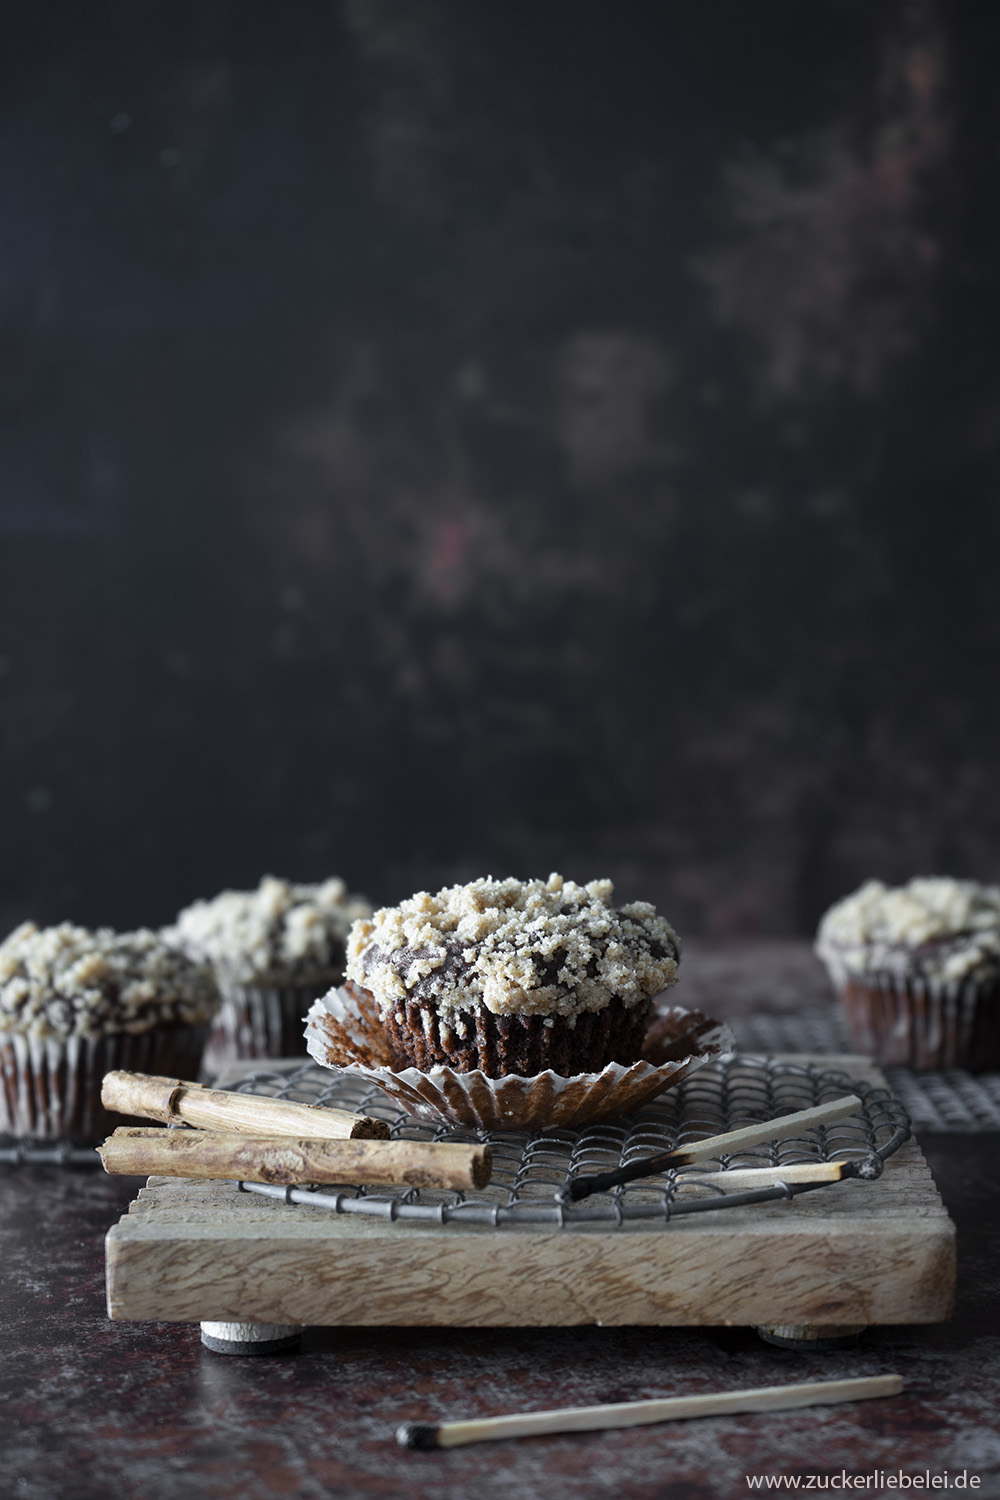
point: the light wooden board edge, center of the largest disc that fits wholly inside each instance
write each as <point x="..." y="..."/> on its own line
<point x="552" y="1280"/>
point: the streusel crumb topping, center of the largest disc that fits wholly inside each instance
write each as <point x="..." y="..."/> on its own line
<point x="67" y="981"/>
<point x="551" y="948"/>
<point x="939" y="928"/>
<point x="278" y="934"/>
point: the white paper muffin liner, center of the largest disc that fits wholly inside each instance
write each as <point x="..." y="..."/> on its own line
<point x="51" y="1089"/>
<point x="260" y="1020"/>
<point x="343" y="1031"/>
<point x="921" y="1023"/>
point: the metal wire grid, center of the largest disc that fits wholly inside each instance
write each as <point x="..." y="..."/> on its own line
<point x="29" y="1153"/>
<point x="819" y="1030"/>
<point x="946" y="1100"/>
<point x="529" y="1169"/>
<point x="951" y="1100"/>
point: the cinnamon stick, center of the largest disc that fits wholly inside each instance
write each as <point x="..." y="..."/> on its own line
<point x="175" y="1099"/>
<point x="139" y="1151"/>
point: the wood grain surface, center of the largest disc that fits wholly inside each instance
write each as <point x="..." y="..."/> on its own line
<point x="853" y="1253"/>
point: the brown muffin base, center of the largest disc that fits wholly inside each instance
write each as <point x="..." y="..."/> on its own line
<point x="502" y="1045"/>
<point x="913" y="1024"/>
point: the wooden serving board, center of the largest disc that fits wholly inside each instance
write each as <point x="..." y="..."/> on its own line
<point x="850" y="1254"/>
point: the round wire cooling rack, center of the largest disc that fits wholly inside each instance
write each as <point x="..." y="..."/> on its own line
<point x="532" y="1170"/>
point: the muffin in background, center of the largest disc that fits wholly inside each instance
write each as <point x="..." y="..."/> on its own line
<point x="274" y="950"/>
<point x="515" y="977"/>
<point x="75" y="1004"/>
<point x="917" y="968"/>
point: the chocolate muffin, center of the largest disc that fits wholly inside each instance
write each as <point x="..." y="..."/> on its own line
<point x="274" y="950"/>
<point x="918" y="971"/>
<point x="515" y="977"/>
<point x="76" y="1004"/>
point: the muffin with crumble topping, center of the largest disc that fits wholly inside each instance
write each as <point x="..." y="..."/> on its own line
<point x="75" y="1004"/>
<point x="515" y="977"/>
<point x="917" y="968"/>
<point x="273" y="949"/>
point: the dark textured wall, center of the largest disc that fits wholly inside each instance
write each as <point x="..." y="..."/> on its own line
<point x="441" y="438"/>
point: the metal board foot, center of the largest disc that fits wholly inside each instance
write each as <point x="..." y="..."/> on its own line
<point x="250" y="1338"/>
<point x="811" y="1336"/>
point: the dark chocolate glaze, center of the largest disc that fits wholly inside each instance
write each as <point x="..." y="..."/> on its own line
<point x="453" y="968"/>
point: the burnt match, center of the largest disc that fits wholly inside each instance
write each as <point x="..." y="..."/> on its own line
<point x="424" y="1435"/>
<point x="717" y="1145"/>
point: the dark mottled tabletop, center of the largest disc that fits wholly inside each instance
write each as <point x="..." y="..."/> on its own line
<point x="142" y="1411"/>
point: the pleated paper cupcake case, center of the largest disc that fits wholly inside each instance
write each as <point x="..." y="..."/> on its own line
<point x="923" y="1023"/>
<point x="51" y="1089"/>
<point x="344" y="1031"/>
<point x="262" y="1020"/>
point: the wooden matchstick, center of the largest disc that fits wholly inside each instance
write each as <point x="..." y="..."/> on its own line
<point x="139" y="1151"/>
<point x="638" y="1413"/>
<point x="717" y="1145"/>
<point x="171" y="1099"/>
<point x="757" y="1177"/>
